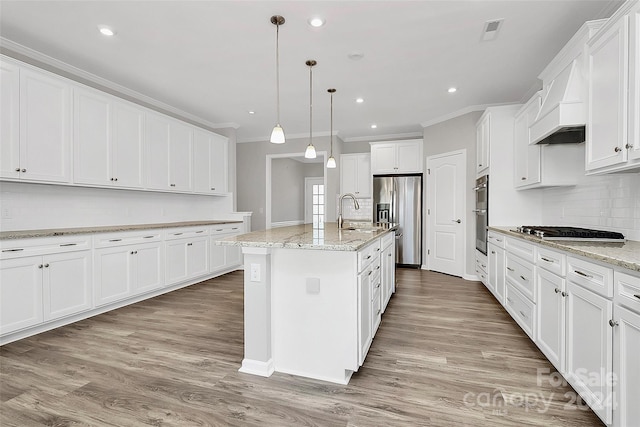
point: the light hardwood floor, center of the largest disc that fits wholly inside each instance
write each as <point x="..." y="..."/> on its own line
<point x="446" y="354"/>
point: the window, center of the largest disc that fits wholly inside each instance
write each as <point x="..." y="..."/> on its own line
<point x="318" y="206"/>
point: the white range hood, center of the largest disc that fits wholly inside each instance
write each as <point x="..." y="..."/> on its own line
<point x="563" y="113"/>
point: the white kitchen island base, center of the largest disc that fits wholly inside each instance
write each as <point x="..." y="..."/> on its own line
<point x="313" y="311"/>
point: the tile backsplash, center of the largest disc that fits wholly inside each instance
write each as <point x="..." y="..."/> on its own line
<point x="607" y="202"/>
<point x="365" y="213"/>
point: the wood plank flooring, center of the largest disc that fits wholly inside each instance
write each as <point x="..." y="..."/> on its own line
<point x="446" y="354"/>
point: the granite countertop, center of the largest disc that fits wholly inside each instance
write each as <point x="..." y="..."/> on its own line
<point x="25" y="234"/>
<point x="626" y="255"/>
<point x="329" y="238"/>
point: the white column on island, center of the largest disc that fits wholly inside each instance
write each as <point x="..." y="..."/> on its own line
<point x="258" y="354"/>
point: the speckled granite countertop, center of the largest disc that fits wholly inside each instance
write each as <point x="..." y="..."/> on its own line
<point x="329" y="238"/>
<point x="25" y="234"/>
<point x="626" y="255"/>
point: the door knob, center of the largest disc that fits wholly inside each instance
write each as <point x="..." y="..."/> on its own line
<point x="456" y="220"/>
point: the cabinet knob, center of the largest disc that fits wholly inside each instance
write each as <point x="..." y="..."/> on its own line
<point x="131" y="252"/>
<point x="617" y="149"/>
<point x="213" y="188"/>
<point x="627" y="146"/>
<point x="565" y="294"/>
<point x="111" y="179"/>
<point x="115" y="179"/>
<point x="23" y="170"/>
<point x="172" y="185"/>
<point x="46" y="266"/>
<point x="189" y="244"/>
<point x="556" y="290"/>
<point x="524" y="178"/>
<point x="17" y="169"/>
<point x="613" y="323"/>
<point x="40" y="266"/>
<point x="480" y="164"/>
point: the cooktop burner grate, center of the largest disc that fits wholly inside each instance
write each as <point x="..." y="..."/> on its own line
<point x="571" y="233"/>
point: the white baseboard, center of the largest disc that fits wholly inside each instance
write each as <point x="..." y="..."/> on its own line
<point x="471" y="277"/>
<point x="256" y="367"/>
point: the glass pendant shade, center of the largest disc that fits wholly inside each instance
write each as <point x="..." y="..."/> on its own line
<point x="310" y="152"/>
<point x="277" y="135"/>
<point x="331" y="163"/>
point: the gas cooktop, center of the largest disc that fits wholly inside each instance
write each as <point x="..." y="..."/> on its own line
<point x="570" y="233"/>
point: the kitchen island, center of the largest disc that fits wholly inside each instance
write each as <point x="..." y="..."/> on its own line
<point x="313" y="297"/>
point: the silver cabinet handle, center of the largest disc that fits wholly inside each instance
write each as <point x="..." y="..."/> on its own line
<point x="147" y="237"/>
<point x="378" y="285"/>
<point x="524" y="178"/>
<point x="456" y="220"/>
<point x="547" y="259"/>
<point x="378" y="268"/>
<point x="556" y="290"/>
<point x="582" y="274"/>
<point x="617" y="149"/>
<point x="510" y="269"/>
<point x="219" y="229"/>
<point x="201" y="231"/>
<point x="378" y="312"/>
<point x="524" y="278"/>
<point x="483" y="266"/>
<point x="115" y="240"/>
<point x="189" y="244"/>
<point x="390" y="255"/>
<point x="493" y="252"/>
<point x="177" y="234"/>
<point x="369" y="257"/>
<point x="370" y="273"/>
<point x="13" y="250"/>
<point x="68" y="244"/>
<point x="627" y="146"/>
<point x="564" y="294"/>
<point x="523" y="314"/>
<point x="213" y="188"/>
<point x="498" y="240"/>
<point x="17" y="169"/>
<point x="637" y="296"/>
<point x="613" y="323"/>
<point x="234" y="228"/>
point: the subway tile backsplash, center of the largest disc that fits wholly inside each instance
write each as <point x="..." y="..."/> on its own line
<point x="365" y="213"/>
<point x="608" y="202"/>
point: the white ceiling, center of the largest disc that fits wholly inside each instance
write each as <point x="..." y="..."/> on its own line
<point x="216" y="59"/>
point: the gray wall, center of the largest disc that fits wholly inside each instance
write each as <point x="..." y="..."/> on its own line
<point x="251" y="174"/>
<point x="287" y="188"/>
<point x="356" y="147"/>
<point x="457" y="134"/>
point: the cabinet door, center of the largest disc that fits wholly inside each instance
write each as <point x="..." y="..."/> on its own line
<point x="149" y="271"/>
<point x="112" y="275"/>
<point x="363" y="176"/>
<point x="67" y="284"/>
<point x="589" y="348"/>
<point x="202" y="158"/>
<point x="176" y="261"/>
<point x="409" y="157"/>
<point x="180" y="151"/>
<point x="526" y="156"/>
<point x="626" y="369"/>
<point x="550" y="331"/>
<point x="156" y="140"/>
<point x="9" y="120"/>
<point x="197" y="257"/>
<point x="219" y="163"/>
<point x="634" y="84"/>
<point x="20" y="293"/>
<point x="217" y="254"/>
<point x="364" y="314"/>
<point x="482" y="144"/>
<point x="383" y="158"/>
<point x="387" y="274"/>
<point x="233" y="256"/>
<point x="496" y="280"/>
<point x="608" y="108"/>
<point x="348" y="174"/>
<point x="92" y="138"/>
<point x="45" y="119"/>
<point x="127" y="145"/>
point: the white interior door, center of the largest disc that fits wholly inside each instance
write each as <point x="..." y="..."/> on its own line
<point x="446" y="176"/>
<point x="308" y="198"/>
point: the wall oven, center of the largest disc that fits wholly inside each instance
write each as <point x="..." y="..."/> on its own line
<point x="482" y="212"/>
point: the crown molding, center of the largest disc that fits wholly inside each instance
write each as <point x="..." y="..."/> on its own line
<point x="389" y="137"/>
<point x="462" y="112"/>
<point x="41" y="60"/>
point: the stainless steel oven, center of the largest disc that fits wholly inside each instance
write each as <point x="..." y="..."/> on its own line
<point x="482" y="212"/>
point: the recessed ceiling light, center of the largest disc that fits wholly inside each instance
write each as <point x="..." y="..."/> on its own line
<point x="106" y="31"/>
<point x="355" y="56"/>
<point x="452" y="90"/>
<point x="316" y="22"/>
<point x="374" y="126"/>
<point x="359" y="100"/>
<point x="252" y="112"/>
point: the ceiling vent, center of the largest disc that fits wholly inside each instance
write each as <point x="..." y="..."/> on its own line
<point x="491" y="29"/>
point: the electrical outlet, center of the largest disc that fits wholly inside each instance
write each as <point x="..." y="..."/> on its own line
<point x="255" y="272"/>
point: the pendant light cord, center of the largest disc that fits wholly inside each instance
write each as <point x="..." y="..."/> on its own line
<point x="310" y="103"/>
<point x="278" y="71"/>
<point x="331" y="128"/>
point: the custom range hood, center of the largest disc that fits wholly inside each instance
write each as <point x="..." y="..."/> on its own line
<point x="563" y="113"/>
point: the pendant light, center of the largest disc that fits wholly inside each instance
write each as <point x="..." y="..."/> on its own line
<point x="331" y="163"/>
<point x="277" y="135"/>
<point x="310" y="152"/>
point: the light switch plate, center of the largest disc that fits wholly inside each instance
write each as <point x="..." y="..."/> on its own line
<point x="255" y="272"/>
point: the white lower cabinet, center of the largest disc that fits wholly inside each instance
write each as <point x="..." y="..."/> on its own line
<point x="43" y="288"/>
<point x="496" y="278"/>
<point x="550" y="305"/>
<point x="590" y="348"/>
<point x="224" y="258"/>
<point x="388" y="272"/>
<point x="365" y="330"/>
<point x="187" y="258"/>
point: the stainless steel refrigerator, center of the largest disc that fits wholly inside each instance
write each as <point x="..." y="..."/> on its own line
<point x="398" y="199"/>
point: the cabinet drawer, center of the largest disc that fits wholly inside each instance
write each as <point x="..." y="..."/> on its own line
<point x="107" y="240"/>
<point x="234" y="228"/>
<point x="591" y="276"/>
<point x="627" y="291"/>
<point x="481" y="262"/>
<point x="181" y="233"/>
<point x="19" y="248"/>
<point x="367" y="255"/>
<point x="496" y="238"/>
<point x="387" y="240"/>
<point x="519" y="247"/>
<point x="552" y="261"/>
<point x="521" y="309"/>
<point x="521" y="274"/>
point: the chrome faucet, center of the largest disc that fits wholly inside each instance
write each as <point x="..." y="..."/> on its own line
<point x="355" y="205"/>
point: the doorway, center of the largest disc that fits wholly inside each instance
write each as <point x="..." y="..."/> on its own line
<point x="288" y="202"/>
<point x="446" y="212"/>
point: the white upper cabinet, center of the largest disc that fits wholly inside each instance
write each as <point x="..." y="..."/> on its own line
<point x="483" y="138"/>
<point x="614" y="94"/>
<point x="209" y="162"/>
<point x="396" y="157"/>
<point x="9" y="120"/>
<point x="108" y="141"/>
<point x="355" y="174"/>
<point x="526" y="157"/>
<point x="169" y="146"/>
<point x="36" y="121"/>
